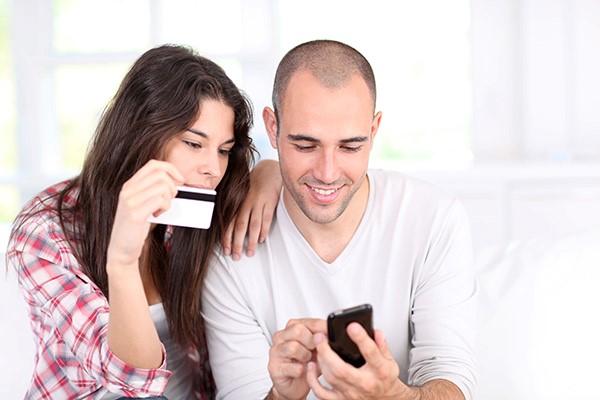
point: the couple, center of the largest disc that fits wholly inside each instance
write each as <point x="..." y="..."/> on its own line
<point x="121" y="307"/>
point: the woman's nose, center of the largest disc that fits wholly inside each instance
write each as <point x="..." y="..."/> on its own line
<point x="211" y="165"/>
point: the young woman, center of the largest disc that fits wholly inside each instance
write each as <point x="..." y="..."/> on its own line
<point x="114" y="300"/>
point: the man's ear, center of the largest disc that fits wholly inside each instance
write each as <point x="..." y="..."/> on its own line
<point x="375" y="125"/>
<point x="270" y="120"/>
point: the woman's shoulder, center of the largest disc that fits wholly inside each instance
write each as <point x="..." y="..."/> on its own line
<point x="40" y="218"/>
<point x="46" y="201"/>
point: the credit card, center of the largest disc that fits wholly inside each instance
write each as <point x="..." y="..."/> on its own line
<point x="191" y="207"/>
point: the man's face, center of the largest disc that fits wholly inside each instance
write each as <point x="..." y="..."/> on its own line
<point x="324" y="143"/>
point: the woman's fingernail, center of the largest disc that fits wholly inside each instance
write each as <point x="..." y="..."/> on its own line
<point x="227" y="251"/>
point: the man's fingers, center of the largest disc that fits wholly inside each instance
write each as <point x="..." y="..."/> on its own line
<point x="367" y="347"/>
<point x="328" y="359"/>
<point x="301" y="331"/>
<point x="295" y="342"/>
<point x="284" y="370"/>
<point x="312" y="378"/>
<point x="314" y="325"/>
<point x="383" y="345"/>
<point x="294" y="350"/>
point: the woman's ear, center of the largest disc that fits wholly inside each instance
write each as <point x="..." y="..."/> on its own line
<point x="270" y="120"/>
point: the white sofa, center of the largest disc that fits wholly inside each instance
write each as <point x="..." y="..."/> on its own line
<point x="16" y="340"/>
<point x="539" y="322"/>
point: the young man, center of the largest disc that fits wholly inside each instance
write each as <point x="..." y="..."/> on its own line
<point x="343" y="235"/>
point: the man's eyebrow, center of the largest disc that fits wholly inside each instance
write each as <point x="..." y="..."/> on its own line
<point x="302" y="138"/>
<point x="356" y="139"/>
<point x="305" y="138"/>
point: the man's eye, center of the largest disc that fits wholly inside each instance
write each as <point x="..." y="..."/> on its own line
<point x="304" y="148"/>
<point x="352" y="149"/>
<point x="193" y="145"/>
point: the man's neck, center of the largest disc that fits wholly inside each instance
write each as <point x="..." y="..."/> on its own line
<point x="329" y="240"/>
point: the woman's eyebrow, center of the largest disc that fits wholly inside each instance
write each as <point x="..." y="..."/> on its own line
<point x="199" y="133"/>
<point x="205" y="136"/>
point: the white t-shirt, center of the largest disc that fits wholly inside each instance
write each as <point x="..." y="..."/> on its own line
<point x="410" y="258"/>
<point x="180" y="385"/>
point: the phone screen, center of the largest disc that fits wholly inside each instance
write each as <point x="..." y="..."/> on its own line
<point x="339" y="340"/>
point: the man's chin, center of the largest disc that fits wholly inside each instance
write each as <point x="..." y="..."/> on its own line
<point x="321" y="216"/>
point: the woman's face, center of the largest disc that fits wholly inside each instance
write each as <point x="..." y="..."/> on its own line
<point x="201" y="153"/>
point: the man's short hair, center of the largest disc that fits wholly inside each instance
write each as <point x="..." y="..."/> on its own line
<point x="332" y="63"/>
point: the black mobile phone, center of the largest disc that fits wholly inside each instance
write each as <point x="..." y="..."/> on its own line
<point x="339" y="340"/>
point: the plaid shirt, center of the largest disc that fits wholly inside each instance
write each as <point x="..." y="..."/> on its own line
<point x="69" y="317"/>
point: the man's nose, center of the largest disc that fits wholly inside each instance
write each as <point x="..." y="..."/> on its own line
<point x="326" y="168"/>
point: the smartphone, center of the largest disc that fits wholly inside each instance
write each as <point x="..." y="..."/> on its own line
<point x="339" y="340"/>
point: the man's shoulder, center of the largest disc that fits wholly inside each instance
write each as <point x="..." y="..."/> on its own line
<point x="245" y="265"/>
<point x="407" y="185"/>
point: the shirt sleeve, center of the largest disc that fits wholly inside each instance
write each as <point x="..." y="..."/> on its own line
<point x="69" y="314"/>
<point x="237" y="344"/>
<point x="443" y="319"/>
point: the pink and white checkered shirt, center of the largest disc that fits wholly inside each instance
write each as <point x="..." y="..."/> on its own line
<point x="69" y="317"/>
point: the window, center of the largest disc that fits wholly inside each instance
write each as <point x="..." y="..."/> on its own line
<point x="9" y="199"/>
<point x="535" y="80"/>
<point x="421" y="62"/>
<point x="60" y="75"/>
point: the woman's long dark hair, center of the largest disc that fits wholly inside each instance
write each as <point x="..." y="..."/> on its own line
<point x="160" y="97"/>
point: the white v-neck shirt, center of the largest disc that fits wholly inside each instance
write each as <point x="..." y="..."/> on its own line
<point x="410" y="258"/>
<point x="180" y="385"/>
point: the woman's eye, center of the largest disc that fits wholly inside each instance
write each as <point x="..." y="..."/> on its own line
<point x="225" y="152"/>
<point x="193" y="145"/>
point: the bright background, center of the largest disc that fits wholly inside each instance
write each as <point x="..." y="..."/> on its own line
<point x="498" y="101"/>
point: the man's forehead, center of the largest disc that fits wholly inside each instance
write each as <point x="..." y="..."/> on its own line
<point x="330" y="80"/>
<point x="304" y="87"/>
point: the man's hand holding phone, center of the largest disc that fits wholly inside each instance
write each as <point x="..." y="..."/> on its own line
<point x="340" y="342"/>
<point x="377" y="378"/>
<point x="301" y="353"/>
<point x="293" y="348"/>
